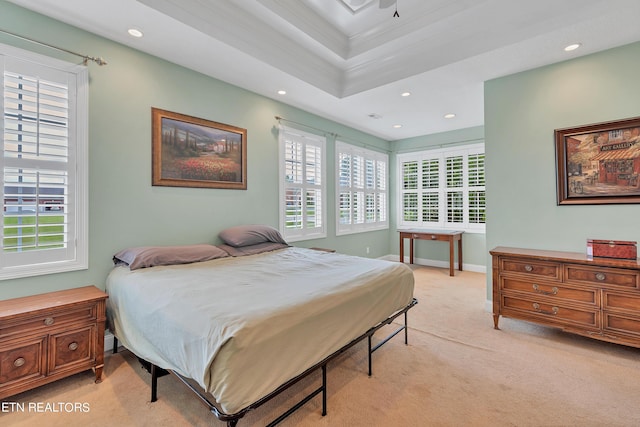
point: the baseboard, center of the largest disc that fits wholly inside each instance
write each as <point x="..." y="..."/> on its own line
<point x="440" y="264"/>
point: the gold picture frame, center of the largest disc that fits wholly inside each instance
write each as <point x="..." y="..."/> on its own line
<point x="193" y="152"/>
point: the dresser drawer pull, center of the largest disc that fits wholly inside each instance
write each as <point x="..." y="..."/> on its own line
<point x="554" y="290"/>
<point x="49" y="321"/>
<point x="18" y="362"/>
<point x="601" y="276"/>
<point x="528" y="268"/>
<point x="434" y="237"/>
<point x="554" y="310"/>
<point x="73" y="346"/>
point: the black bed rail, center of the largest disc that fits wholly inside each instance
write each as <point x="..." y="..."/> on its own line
<point x="232" y="419"/>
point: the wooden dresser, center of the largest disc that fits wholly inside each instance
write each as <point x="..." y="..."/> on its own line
<point x="50" y="336"/>
<point x="594" y="297"/>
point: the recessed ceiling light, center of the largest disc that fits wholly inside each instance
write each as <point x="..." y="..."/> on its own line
<point x="282" y="92"/>
<point x="134" y="32"/>
<point x="405" y="94"/>
<point x="397" y="126"/>
<point x="572" y="47"/>
<point x="449" y="116"/>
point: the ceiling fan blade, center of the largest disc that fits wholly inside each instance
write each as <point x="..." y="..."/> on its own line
<point x="386" y="3"/>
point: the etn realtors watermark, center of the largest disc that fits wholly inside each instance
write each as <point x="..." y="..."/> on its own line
<point x="45" y="407"/>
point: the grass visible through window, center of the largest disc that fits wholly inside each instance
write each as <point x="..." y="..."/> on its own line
<point x="22" y="237"/>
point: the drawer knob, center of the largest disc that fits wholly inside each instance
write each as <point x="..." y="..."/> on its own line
<point x="49" y="321"/>
<point x="528" y="268"/>
<point x="433" y="237"/>
<point x="601" y="276"/>
<point x="554" y="290"/>
<point x="18" y="362"/>
<point x="73" y="346"/>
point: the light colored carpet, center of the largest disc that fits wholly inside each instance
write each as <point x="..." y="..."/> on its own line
<point x="456" y="371"/>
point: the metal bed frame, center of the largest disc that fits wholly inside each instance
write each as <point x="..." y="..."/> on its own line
<point x="232" y="419"/>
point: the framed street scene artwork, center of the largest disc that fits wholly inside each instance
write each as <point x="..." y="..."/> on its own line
<point x="599" y="163"/>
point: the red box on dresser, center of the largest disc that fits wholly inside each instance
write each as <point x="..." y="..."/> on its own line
<point x="620" y="249"/>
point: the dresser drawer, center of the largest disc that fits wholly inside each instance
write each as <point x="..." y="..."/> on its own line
<point x="621" y="302"/>
<point x="47" y="321"/>
<point x="22" y="361"/>
<point x="552" y="290"/>
<point x="548" y="270"/>
<point x="549" y="312"/>
<point x="620" y="323"/>
<point x="602" y="276"/>
<point x="69" y="349"/>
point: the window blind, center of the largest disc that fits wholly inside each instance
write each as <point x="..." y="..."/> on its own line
<point x="361" y="188"/>
<point x="44" y="105"/>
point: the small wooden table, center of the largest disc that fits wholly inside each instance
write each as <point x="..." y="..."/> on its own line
<point x="437" y="235"/>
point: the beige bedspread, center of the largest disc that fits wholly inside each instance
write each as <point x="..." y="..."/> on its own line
<point x="242" y="326"/>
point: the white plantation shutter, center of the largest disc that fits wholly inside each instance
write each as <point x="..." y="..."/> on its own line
<point x="443" y="188"/>
<point x="361" y="188"/>
<point x="44" y="130"/>
<point x="477" y="202"/>
<point x="455" y="183"/>
<point x="431" y="190"/>
<point x="302" y="185"/>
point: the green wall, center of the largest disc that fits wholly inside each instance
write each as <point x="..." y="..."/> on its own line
<point x="124" y="208"/>
<point x="521" y="113"/>
<point x="473" y="244"/>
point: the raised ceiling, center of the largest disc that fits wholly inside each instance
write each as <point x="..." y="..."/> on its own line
<point x="349" y="60"/>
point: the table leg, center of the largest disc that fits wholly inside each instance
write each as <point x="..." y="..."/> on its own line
<point x="410" y="250"/>
<point x="401" y="248"/>
<point x="460" y="253"/>
<point x="451" y="257"/>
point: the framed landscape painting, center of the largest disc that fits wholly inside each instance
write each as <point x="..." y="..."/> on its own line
<point x="599" y="163"/>
<point x="193" y="152"/>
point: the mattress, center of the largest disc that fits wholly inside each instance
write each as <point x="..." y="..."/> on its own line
<point x="242" y="326"/>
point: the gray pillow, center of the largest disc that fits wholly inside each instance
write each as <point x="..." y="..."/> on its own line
<point x="259" y="248"/>
<point x="150" y="256"/>
<point x="248" y="235"/>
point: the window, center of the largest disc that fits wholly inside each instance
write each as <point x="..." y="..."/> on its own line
<point x="44" y="165"/>
<point x="302" y="185"/>
<point x="443" y="188"/>
<point x="361" y="189"/>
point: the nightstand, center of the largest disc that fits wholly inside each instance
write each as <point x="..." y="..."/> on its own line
<point x="50" y="336"/>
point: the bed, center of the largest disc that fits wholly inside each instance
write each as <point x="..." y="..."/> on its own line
<point x="225" y="320"/>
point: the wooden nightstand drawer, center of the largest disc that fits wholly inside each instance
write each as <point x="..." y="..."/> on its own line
<point x="602" y="276"/>
<point x="47" y="321"/>
<point x="552" y="290"/>
<point x="71" y="349"/>
<point x="22" y="361"/>
<point x="548" y="270"/>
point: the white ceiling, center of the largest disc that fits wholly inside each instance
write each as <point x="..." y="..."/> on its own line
<point x="348" y="60"/>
